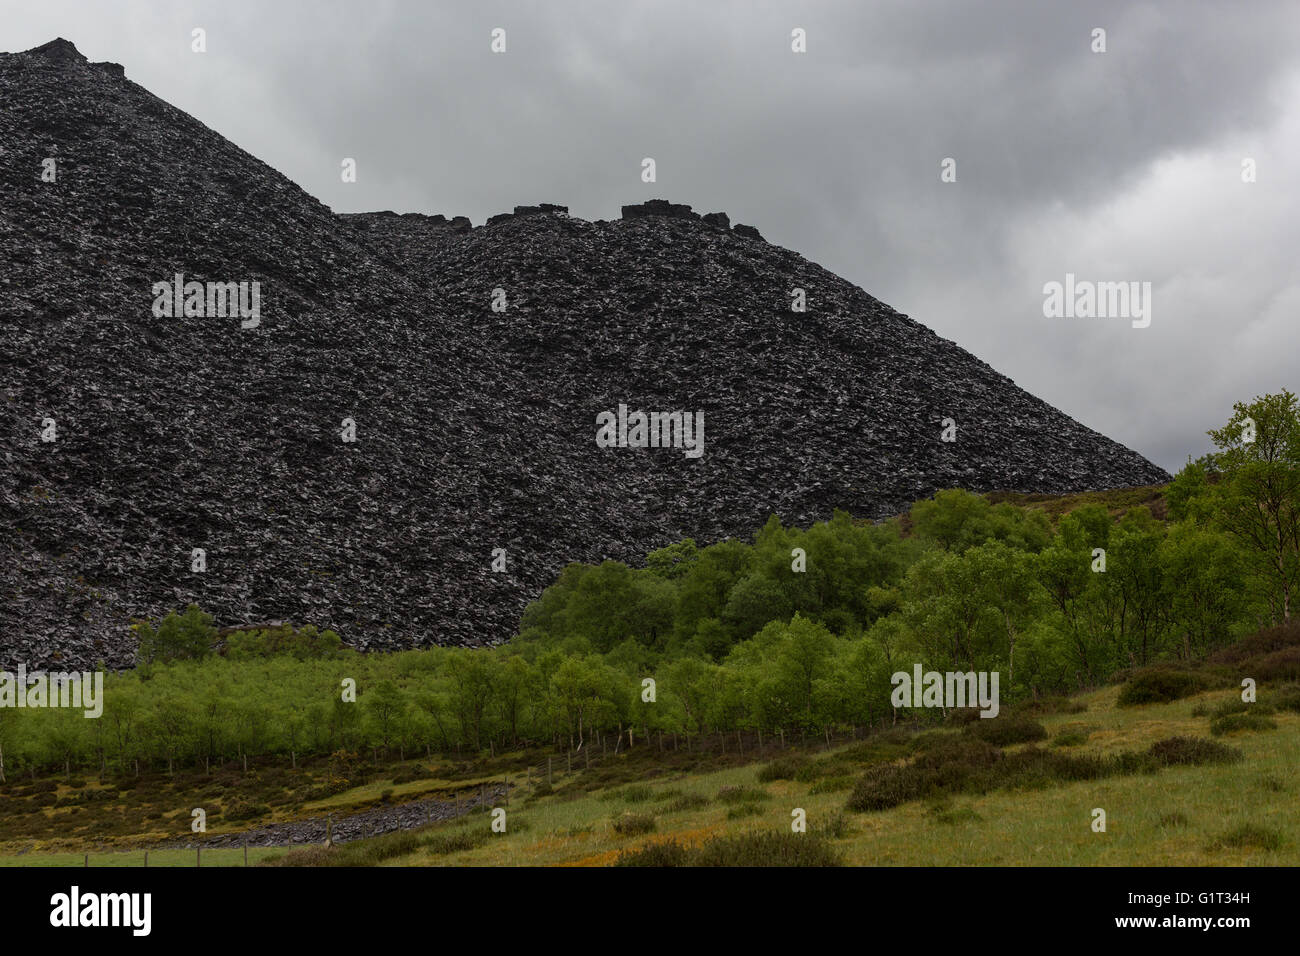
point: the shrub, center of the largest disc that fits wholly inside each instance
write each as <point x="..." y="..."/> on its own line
<point x="1159" y="686"/>
<point x="637" y="793"/>
<point x="1191" y="751"/>
<point x="948" y="763"/>
<point x="964" y="764"/>
<point x="1280" y="665"/>
<point x="773" y="848"/>
<point x="241" y="808"/>
<point x="1236" y="705"/>
<point x="687" y="801"/>
<point x="883" y="787"/>
<point x="770" y="848"/>
<point x="1004" y="731"/>
<point x="667" y="853"/>
<point x="1263" y="642"/>
<point x="783" y="768"/>
<point x="1071" y="767"/>
<point x="950" y="749"/>
<point x="634" y="824"/>
<point x="742" y="810"/>
<point x="1234" y="723"/>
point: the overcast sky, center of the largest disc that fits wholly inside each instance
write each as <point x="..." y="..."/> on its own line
<point x="1117" y="166"/>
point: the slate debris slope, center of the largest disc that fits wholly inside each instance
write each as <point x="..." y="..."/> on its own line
<point x="475" y="428"/>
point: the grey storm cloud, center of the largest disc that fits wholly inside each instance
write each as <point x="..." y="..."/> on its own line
<point x="1116" y="166"/>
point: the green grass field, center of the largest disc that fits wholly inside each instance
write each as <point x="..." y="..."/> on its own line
<point x="1179" y="816"/>
<point x="1240" y="813"/>
<point x="1170" y="818"/>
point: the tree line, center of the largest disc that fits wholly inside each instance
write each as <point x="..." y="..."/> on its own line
<point x="797" y="629"/>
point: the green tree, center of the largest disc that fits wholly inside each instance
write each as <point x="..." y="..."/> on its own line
<point x="674" y="561"/>
<point x="1259" y="501"/>
<point x="803" y="669"/>
<point x="1209" y="596"/>
<point x="472" y="680"/>
<point x="581" y="690"/>
<point x="1005" y="580"/>
<point x="187" y="636"/>
<point x="385" y="706"/>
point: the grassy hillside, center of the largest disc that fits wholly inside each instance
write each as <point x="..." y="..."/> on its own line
<point x="1230" y="814"/>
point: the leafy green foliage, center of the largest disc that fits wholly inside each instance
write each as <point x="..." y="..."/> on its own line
<point x="737" y="637"/>
<point x="178" y="637"/>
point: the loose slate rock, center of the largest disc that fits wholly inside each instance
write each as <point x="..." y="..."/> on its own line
<point x="475" y="428"/>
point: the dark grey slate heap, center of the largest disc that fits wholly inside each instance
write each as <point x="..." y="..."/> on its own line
<point x="475" y="428"/>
